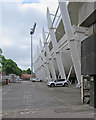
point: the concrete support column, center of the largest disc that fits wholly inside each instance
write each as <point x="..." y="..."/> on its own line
<point x="39" y="69"/>
<point x="44" y="72"/>
<point x="39" y="73"/>
<point x="55" y="47"/>
<point x="48" y="77"/>
<point x="37" y="64"/>
<point x="42" y="68"/>
<point x="36" y="73"/>
<point x="35" y="69"/>
<point x="49" y="56"/>
<point x="71" y="40"/>
<point x="40" y="65"/>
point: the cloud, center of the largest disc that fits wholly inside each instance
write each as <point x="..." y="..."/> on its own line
<point x="17" y="20"/>
<point x="6" y="42"/>
<point x="30" y="1"/>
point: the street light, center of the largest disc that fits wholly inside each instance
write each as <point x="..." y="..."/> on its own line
<point x="31" y="33"/>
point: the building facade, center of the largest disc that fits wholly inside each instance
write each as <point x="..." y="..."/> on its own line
<point x="62" y="47"/>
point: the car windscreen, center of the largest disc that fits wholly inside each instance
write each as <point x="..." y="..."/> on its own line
<point x="59" y="80"/>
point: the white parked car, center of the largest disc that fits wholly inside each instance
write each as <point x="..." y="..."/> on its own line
<point x="33" y="80"/>
<point x="18" y="80"/>
<point x="36" y="80"/>
<point x="59" y="82"/>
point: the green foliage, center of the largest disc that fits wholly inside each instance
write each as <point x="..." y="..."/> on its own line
<point x="0" y="50"/>
<point x="28" y="71"/>
<point x="10" y="67"/>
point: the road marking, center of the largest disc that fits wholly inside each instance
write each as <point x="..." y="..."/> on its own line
<point x="5" y="113"/>
<point x="25" y="111"/>
<point x="26" y="97"/>
<point x="6" y="91"/>
<point x="33" y="112"/>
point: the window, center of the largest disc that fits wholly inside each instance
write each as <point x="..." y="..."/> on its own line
<point x="61" y="80"/>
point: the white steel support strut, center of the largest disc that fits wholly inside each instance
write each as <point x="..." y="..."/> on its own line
<point x="38" y="68"/>
<point x="69" y="73"/>
<point x="42" y="67"/>
<point x="38" y="63"/>
<point x="39" y="73"/>
<point x="43" y="72"/>
<point x="49" y="56"/>
<point x="55" y="47"/>
<point x="41" y="64"/>
<point x="71" y="40"/>
<point x="45" y="62"/>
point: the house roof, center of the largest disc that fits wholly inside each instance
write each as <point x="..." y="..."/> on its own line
<point x="26" y="75"/>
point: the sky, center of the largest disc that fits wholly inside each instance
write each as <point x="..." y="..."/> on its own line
<point x="18" y="17"/>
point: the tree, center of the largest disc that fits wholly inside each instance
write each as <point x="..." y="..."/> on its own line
<point x="28" y="71"/>
<point x="3" y="63"/>
<point x="10" y="67"/>
<point x="0" y="58"/>
<point x="0" y="51"/>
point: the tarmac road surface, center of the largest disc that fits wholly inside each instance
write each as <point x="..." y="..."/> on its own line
<point x="37" y="100"/>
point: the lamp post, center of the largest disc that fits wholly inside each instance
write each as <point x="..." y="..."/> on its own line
<point x="31" y="33"/>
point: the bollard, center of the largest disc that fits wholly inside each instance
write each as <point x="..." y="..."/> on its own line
<point x="9" y="80"/>
<point x="6" y="81"/>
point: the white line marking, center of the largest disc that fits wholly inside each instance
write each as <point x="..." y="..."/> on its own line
<point x="6" y="91"/>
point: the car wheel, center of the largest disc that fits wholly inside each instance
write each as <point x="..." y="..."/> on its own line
<point x="52" y="85"/>
<point x="40" y="80"/>
<point x="66" y="85"/>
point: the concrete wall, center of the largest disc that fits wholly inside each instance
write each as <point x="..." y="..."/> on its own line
<point x="87" y="14"/>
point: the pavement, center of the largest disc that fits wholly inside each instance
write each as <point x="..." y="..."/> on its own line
<point x="37" y="100"/>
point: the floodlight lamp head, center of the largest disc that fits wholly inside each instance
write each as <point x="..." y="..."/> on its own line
<point x="31" y="32"/>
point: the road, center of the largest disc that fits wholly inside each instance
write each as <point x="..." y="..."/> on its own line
<point x="37" y="100"/>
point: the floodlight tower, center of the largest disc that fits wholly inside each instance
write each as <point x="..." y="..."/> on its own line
<point x="31" y="33"/>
